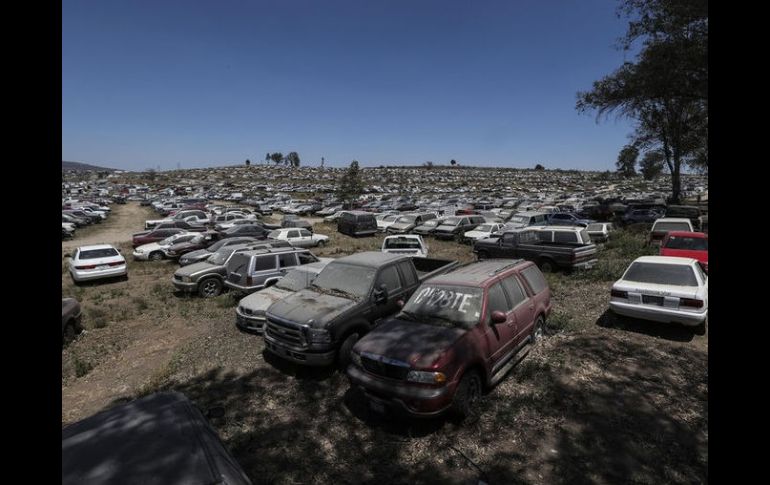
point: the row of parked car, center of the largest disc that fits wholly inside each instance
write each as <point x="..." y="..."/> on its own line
<point x="81" y="215"/>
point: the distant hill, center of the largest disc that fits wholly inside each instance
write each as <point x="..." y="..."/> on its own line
<point x="82" y="167"/>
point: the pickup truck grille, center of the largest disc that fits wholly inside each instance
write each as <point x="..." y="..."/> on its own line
<point x="384" y="369"/>
<point x="287" y="333"/>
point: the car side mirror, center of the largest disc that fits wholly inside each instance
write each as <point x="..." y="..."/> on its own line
<point x="400" y="303"/>
<point x="498" y="317"/>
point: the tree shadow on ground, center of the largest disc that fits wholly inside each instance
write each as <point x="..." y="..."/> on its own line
<point x="668" y="331"/>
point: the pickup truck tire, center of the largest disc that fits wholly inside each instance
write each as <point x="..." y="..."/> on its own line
<point x="547" y="265"/>
<point x="209" y="287"/>
<point x="321" y="244"/>
<point x="467" y="396"/>
<point x="482" y="255"/>
<point x="343" y="356"/>
<point x="538" y="331"/>
<point x="156" y="256"/>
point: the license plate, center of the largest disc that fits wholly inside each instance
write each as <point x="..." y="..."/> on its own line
<point x="376" y="406"/>
<point x="103" y="266"/>
<point x="652" y="300"/>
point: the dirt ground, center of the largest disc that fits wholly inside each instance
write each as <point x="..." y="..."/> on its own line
<point x="601" y="401"/>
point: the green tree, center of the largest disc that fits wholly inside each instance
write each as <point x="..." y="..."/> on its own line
<point x="539" y="167"/>
<point x="277" y="157"/>
<point x="248" y="162"/>
<point x="293" y="159"/>
<point x="651" y="164"/>
<point x="453" y="162"/>
<point x="350" y="186"/>
<point x="428" y="165"/>
<point x="627" y="161"/>
<point x="666" y="89"/>
<point x="267" y="157"/>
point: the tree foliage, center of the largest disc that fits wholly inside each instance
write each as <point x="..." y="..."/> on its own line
<point x="627" y="161"/>
<point x="292" y="159"/>
<point x="277" y="157"/>
<point x="350" y="185"/>
<point x="651" y="164"/>
<point x="666" y="89"/>
<point x="539" y="167"/>
<point x="248" y="162"/>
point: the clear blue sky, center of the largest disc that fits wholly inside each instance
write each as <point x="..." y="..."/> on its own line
<point x="203" y="83"/>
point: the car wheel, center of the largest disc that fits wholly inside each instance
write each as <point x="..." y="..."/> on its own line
<point x="321" y="244"/>
<point x="156" y="256"/>
<point x="467" y="397"/>
<point x="538" y="331"/>
<point x="459" y="238"/>
<point x="483" y="255"/>
<point x="343" y="356"/>
<point x="547" y="266"/>
<point x="210" y="288"/>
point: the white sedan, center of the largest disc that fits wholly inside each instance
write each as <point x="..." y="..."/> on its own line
<point x="157" y="250"/>
<point x="301" y="238"/>
<point x="663" y="289"/>
<point x="482" y="231"/>
<point x="96" y="262"/>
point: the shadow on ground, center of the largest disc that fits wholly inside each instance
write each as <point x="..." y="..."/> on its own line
<point x="668" y="331"/>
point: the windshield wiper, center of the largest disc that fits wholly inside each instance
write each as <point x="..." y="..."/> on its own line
<point x="412" y="316"/>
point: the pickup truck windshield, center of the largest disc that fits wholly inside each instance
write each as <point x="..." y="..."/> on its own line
<point x="348" y="278"/>
<point x="662" y="274"/>
<point x="455" y="306"/>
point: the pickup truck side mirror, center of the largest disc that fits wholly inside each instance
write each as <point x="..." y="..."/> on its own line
<point x="381" y="294"/>
<point x="498" y="317"/>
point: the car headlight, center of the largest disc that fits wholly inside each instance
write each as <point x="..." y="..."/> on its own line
<point x="186" y="279"/>
<point x="426" y="377"/>
<point x="355" y="357"/>
<point x="319" y="336"/>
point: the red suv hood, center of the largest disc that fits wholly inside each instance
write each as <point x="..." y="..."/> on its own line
<point x="415" y="343"/>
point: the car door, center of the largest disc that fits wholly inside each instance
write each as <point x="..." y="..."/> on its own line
<point x="389" y="277"/>
<point x="264" y="267"/>
<point x="501" y="335"/>
<point x="523" y="307"/>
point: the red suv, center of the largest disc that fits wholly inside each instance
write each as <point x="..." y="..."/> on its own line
<point x="458" y="334"/>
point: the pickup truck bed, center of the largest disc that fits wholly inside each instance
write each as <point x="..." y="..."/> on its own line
<point x="547" y="255"/>
<point x="428" y="267"/>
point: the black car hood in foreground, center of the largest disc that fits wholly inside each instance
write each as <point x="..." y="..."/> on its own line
<point x="308" y="304"/>
<point x="158" y="439"/>
<point x="415" y="343"/>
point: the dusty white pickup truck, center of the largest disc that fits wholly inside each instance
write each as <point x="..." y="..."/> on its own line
<point x="411" y="244"/>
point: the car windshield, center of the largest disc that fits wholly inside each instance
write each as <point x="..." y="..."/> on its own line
<point x="220" y="256"/>
<point x="295" y="280"/>
<point x="274" y="234"/>
<point x="98" y="253"/>
<point x="661" y="274"/>
<point x="595" y="227"/>
<point x="455" y="306"/>
<point x="688" y="243"/>
<point x="402" y="243"/>
<point x="347" y="278"/>
<point x="671" y="226"/>
<point x="433" y="222"/>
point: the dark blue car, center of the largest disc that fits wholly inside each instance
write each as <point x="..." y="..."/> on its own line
<point x="567" y="219"/>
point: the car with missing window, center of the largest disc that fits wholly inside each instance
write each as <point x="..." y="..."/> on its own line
<point x="98" y="261"/>
<point x="664" y="225"/>
<point x="663" y="289"/>
<point x="250" y="313"/>
<point x="458" y="335"/>
<point x="600" y="231"/>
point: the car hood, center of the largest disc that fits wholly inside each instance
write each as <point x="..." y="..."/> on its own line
<point x="146" y="248"/>
<point x="139" y="234"/>
<point x="199" y="267"/>
<point x="261" y="300"/>
<point x="479" y="234"/>
<point x="308" y="304"/>
<point x="198" y="254"/>
<point x="415" y="343"/>
<point x="184" y="245"/>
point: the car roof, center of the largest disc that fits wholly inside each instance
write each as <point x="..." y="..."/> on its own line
<point x="531" y="213"/>
<point x="699" y="235"/>
<point x="559" y="228"/>
<point x="96" y="246"/>
<point x="260" y="251"/>
<point x="666" y="260"/>
<point x="673" y="219"/>
<point x="479" y="273"/>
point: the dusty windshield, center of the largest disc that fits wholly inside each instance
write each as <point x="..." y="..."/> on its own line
<point x="661" y="274"/>
<point x="346" y="278"/>
<point x="295" y="280"/>
<point x="220" y="256"/>
<point x="455" y="306"/>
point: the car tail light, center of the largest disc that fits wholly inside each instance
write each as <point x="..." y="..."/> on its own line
<point x="88" y="266"/>
<point x="117" y="263"/>
<point x="619" y="294"/>
<point x="691" y="302"/>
